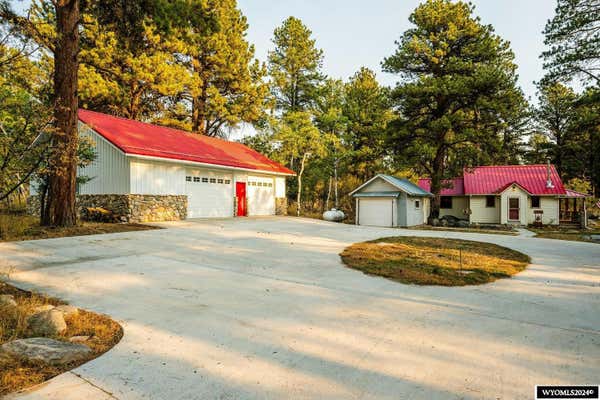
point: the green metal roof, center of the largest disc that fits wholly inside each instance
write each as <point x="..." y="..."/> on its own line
<point x="406" y="185"/>
<point x="377" y="194"/>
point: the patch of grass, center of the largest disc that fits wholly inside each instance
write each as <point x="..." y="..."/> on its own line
<point x="578" y="235"/>
<point x="17" y="374"/>
<point x="15" y="227"/>
<point x="433" y="261"/>
<point x="508" y="231"/>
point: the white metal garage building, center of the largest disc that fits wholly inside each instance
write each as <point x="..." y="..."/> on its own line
<point x="219" y="177"/>
<point x="385" y="200"/>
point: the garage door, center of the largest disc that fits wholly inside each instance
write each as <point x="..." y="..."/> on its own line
<point x="261" y="195"/>
<point x="376" y="212"/>
<point x="210" y="193"/>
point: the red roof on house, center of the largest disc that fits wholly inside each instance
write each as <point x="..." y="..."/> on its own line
<point x="494" y="179"/>
<point x="143" y="139"/>
<point x="450" y="187"/>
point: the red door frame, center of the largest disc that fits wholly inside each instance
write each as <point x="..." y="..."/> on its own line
<point x="240" y="198"/>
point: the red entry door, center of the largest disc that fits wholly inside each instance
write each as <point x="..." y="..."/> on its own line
<point x="240" y="196"/>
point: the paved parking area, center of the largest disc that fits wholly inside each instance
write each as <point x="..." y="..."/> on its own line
<point x="264" y="309"/>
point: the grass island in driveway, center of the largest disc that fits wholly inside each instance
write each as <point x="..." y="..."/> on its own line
<point x="434" y="261"/>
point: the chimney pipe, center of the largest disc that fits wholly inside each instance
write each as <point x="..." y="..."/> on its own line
<point x="549" y="184"/>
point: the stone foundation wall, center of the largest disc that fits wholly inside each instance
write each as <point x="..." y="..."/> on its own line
<point x="281" y="206"/>
<point x="131" y="207"/>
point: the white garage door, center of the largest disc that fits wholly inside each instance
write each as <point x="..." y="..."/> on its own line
<point x="261" y="195"/>
<point x="376" y="212"/>
<point x="210" y="193"/>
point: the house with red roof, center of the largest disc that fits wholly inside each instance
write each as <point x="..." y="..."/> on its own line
<point x="215" y="177"/>
<point x="510" y="194"/>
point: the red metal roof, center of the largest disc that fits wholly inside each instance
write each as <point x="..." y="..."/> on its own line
<point x="450" y="187"/>
<point x="494" y="179"/>
<point x="532" y="178"/>
<point x="142" y="139"/>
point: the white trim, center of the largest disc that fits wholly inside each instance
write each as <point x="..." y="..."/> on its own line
<point x="214" y="166"/>
<point x="382" y="176"/>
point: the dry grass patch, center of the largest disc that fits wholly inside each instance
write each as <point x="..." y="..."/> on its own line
<point x="578" y="235"/>
<point x="508" y="231"/>
<point x="15" y="227"/>
<point x="17" y="374"/>
<point x="433" y="261"/>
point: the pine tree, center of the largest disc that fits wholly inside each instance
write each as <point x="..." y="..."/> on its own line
<point x="458" y="88"/>
<point x="295" y="67"/>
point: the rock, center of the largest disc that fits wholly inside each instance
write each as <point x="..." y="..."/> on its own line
<point x="47" y="323"/>
<point x="463" y="224"/>
<point x="46" y="350"/>
<point x="435" y="222"/>
<point x="444" y="222"/>
<point x="79" y="339"/>
<point x="7" y="300"/>
<point x="67" y="310"/>
<point x="45" y="307"/>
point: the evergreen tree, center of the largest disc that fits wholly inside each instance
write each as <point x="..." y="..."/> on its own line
<point x="225" y="85"/>
<point x="573" y="37"/>
<point x="458" y="88"/>
<point x="295" y="66"/>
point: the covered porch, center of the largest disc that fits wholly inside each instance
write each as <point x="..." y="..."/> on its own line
<point x="572" y="209"/>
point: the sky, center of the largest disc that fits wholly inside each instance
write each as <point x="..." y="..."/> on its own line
<point x="355" y="33"/>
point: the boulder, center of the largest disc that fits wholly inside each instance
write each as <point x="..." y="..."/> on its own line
<point x="45" y="307"/>
<point x="444" y="222"/>
<point x="49" y="351"/>
<point x="67" y="310"/>
<point x="7" y="300"/>
<point x="463" y="224"/>
<point x="46" y="323"/>
<point x="79" y="339"/>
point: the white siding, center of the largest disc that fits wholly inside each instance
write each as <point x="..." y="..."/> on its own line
<point x="550" y="207"/>
<point x="154" y="177"/>
<point x="481" y="214"/>
<point x="379" y="185"/>
<point x="260" y="192"/>
<point x="414" y="215"/>
<point x="109" y="171"/>
<point x="459" y="204"/>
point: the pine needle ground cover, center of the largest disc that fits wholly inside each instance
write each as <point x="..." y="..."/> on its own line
<point x="17" y="374"/>
<point x="434" y="261"/>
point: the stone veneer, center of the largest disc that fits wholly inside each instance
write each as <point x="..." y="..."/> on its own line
<point x="281" y="206"/>
<point x="132" y="207"/>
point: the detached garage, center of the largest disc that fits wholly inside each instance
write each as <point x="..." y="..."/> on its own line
<point x="389" y="201"/>
<point x="172" y="174"/>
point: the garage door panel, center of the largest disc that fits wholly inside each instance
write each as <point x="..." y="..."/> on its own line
<point x="210" y="193"/>
<point x="376" y="212"/>
<point x="261" y="195"/>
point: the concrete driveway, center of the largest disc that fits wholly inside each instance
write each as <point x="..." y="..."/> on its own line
<point x="264" y="309"/>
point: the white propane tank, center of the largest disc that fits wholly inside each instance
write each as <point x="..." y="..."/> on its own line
<point x="334" y="215"/>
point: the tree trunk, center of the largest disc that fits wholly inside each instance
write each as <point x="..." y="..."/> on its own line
<point x="328" y="194"/>
<point x="304" y="157"/>
<point x="436" y="184"/>
<point x="60" y="203"/>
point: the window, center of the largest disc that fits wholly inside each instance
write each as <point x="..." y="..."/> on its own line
<point x="188" y="178"/>
<point x="196" y="179"/>
<point x="205" y="180"/>
<point x="270" y="184"/>
<point x="219" y="180"/>
<point x="490" y="201"/>
<point x="445" y="202"/>
<point x="213" y="180"/>
<point x="417" y="204"/>
<point x="227" y="181"/>
<point x="259" y="183"/>
<point x="535" y="202"/>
